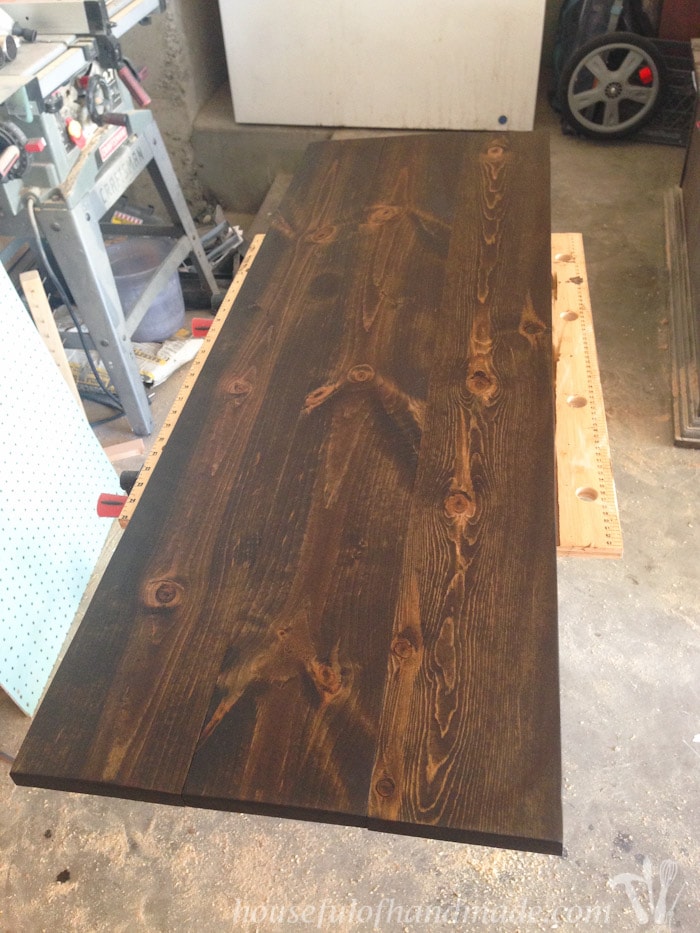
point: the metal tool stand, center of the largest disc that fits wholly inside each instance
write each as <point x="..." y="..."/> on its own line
<point x="71" y="224"/>
<point x="72" y="140"/>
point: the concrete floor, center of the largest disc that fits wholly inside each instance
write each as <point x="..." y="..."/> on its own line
<point x="629" y="688"/>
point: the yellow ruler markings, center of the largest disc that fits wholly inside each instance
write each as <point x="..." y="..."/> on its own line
<point x="589" y="522"/>
<point x="187" y="386"/>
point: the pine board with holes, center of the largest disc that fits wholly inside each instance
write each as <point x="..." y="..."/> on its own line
<point x="589" y="520"/>
<point x="337" y="598"/>
<point x="51" y="471"/>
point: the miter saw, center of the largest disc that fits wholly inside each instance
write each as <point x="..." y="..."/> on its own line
<point x="74" y="134"/>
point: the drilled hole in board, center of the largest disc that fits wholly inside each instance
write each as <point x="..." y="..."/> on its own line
<point x="576" y="401"/>
<point x="568" y="315"/>
<point x="587" y="493"/>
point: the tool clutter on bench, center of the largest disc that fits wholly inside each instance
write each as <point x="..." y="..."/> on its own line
<point x="74" y="134"/>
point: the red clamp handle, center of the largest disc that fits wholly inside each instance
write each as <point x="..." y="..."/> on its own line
<point x="136" y="90"/>
<point x="109" y="506"/>
<point x="201" y="325"/>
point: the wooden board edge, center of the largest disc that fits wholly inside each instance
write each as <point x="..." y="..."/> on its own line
<point x="273" y="199"/>
<point x="434" y="831"/>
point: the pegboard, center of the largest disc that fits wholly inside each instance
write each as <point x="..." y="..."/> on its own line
<point x="52" y="469"/>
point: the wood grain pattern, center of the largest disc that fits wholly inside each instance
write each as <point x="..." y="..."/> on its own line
<point x="347" y="608"/>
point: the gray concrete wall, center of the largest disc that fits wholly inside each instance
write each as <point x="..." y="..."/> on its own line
<point x="184" y="51"/>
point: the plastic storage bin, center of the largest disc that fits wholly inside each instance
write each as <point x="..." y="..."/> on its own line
<point x="134" y="262"/>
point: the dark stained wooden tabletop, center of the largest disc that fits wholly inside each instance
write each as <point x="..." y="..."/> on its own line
<point x="336" y="599"/>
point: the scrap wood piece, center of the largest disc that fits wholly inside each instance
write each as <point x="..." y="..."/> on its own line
<point x="685" y="342"/>
<point x="126" y="449"/>
<point x="42" y="314"/>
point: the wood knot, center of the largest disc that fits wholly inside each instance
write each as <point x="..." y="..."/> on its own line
<point x="460" y="504"/>
<point x="283" y="226"/>
<point x="402" y="648"/>
<point x="361" y="373"/>
<point x="480" y="382"/>
<point x="383" y="213"/>
<point x="163" y="594"/>
<point x="326" y="678"/>
<point x="531" y="327"/>
<point x="385" y="787"/>
<point x="240" y="388"/>
<point x="496" y="152"/>
<point x="325" y="234"/>
<point x="318" y="397"/>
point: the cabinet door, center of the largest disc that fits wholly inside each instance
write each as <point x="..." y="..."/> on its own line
<point x="452" y="64"/>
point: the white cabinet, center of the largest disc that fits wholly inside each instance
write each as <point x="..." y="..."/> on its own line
<point x="433" y="64"/>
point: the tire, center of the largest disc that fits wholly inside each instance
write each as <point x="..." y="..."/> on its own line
<point x="611" y="85"/>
